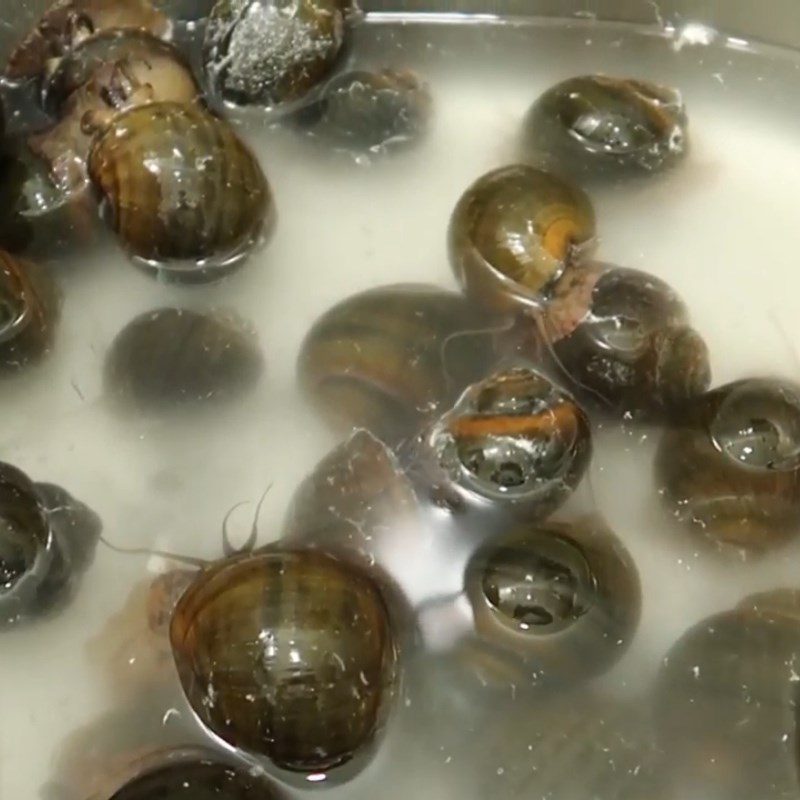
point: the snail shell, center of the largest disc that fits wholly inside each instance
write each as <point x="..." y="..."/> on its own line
<point x="725" y="704"/>
<point x="67" y="22"/>
<point x="370" y="111"/>
<point x="513" y="233"/>
<point x="624" y="339"/>
<point x="30" y="305"/>
<point x="389" y="358"/>
<point x="729" y="468"/>
<point x="563" y="598"/>
<point x="106" y="74"/>
<point x="596" y="125"/>
<point x="47" y="541"/>
<point x="514" y="446"/>
<point x="173" y="358"/>
<point x="287" y="655"/>
<point x="265" y="53"/>
<point x="205" y="204"/>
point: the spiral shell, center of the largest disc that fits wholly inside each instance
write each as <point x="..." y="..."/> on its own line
<point x="47" y="541"/>
<point x="729" y="468"/>
<point x="389" y="358"/>
<point x="514" y="232"/>
<point x="174" y="358"/>
<point x="514" y="446"/>
<point x="67" y="22"/>
<point x="596" y="125"/>
<point x="287" y="655"/>
<point x="205" y="204"/>
<point x="562" y="598"/>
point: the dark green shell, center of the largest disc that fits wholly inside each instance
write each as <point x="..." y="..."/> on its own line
<point x="729" y="468"/>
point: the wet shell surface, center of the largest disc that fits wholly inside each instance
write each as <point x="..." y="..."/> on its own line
<point x="562" y="598"/>
<point x="180" y="186"/>
<point x="288" y="656"/>
<point x="173" y="358"/>
<point x="515" y="445"/>
<point x="47" y="541"/>
<point x="623" y="338"/>
<point x="389" y="358"/>
<point x="270" y="53"/>
<point x="595" y="125"/>
<point x="30" y="306"/>
<point x="514" y="232"/>
<point x="729" y="468"/>
<point x="68" y="22"/>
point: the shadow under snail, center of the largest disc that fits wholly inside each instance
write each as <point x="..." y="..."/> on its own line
<point x="366" y="111"/>
<point x="725" y="702"/>
<point x="514" y="232"/>
<point x="562" y="599"/>
<point x="47" y="541"/>
<point x="729" y="468"/>
<point x="624" y="340"/>
<point x="287" y="655"/>
<point x="174" y="358"/>
<point x="514" y="446"/>
<point x="268" y="53"/>
<point x="595" y="125"/>
<point x="389" y="358"/>
<point x="67" y="22"/>
<point x="186" y="197"/>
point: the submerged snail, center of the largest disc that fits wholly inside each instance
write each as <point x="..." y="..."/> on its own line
<point x="269" y="53"/>
<point x="370" y="111"/>
<point x="596" y="125"/>
<point x="514" y="446"/>
<point x="287" y="655"/>
<point x="390" y="357"/>
<point x="47" y="541"/>
<point x="30" y="304"/>
<point x="67" y="22"/>
<point x="185" y="195"/>
<point x="106" y="74"/>
<point x="561" y="598"/>
<point x="513" y="233"/>
<point x="172" y="357"/>
<point x="725" y="704"/>
<point x="729" y="468"/>
<point x="623" y="337"/>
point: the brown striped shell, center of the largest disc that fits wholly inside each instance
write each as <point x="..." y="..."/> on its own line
<point x="67" y="22"/>
<point x="729" y="468"/>
<point x="514" y="232"/>
<point x="287" y="655"/>
<point x="182" y="191"/>
<point x="30" y="305"/>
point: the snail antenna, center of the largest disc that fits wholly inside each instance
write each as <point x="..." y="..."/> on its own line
<point x="248" y="546"/>
<point x="493" y="330"/>
<point x="144" y="551"/>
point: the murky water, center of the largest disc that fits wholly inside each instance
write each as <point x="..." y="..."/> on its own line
<point x="721" y="229"/>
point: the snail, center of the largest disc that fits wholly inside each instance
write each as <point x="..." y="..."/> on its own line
<point x="68" y="22"/>
<point x="514" y="232"/>
<point x="47" y="541"/>
<point x="388" y="358"/>
<point x="370" y="111"/>
<point x="287" y="655"/>
<point x="563" y="599"/>
<point x="184" y="194"/>
<point x="30" y="305"/>
<point x="623" y="338"/>
<point x="725" y="703"/>
<point x="595" y="125"/>
<point x="514" y="446"/>
<point x="174" y="358"/>
<point x="269" y="53"/>
<point x="729" y="468"/>
<point x="105" y="74"/>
